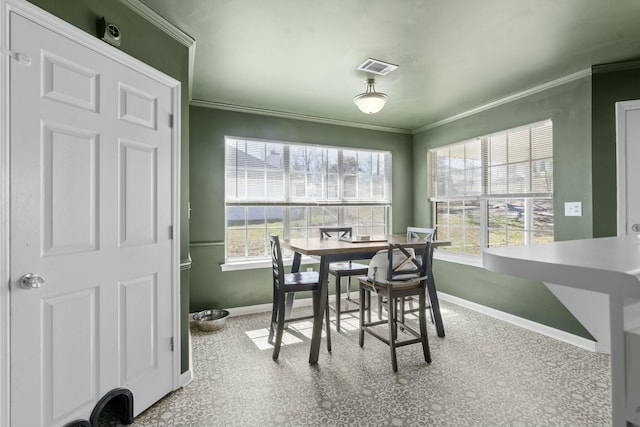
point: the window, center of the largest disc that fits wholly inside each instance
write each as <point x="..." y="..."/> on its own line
<point x="293" y="189"/>
<point x="495" y="190"/>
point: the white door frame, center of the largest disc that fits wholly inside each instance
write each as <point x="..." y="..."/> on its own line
<point x="621" y="161"/>
<point x="65" y="29"/>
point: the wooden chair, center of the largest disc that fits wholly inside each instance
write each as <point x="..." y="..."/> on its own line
<point x="285" y="284"/>
<point x="342" y="269"/>
<point x="396" y="274"/>
<point x="426" y="234"/>
<point x="419" y="233"/>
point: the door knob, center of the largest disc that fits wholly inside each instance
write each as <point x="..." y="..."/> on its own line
<point x="636" y="227"/>
<point x="31" y="281"/>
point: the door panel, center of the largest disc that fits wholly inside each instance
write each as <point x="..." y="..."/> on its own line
<point x="138" y="221"/>
<point x="71" y="218"/>
<point x="138" y="337"/>
<point x="91" y="209"/>
<point x="69" y="82"/>
<point x="71" y="351"/>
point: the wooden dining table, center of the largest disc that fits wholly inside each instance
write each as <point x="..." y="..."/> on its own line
<point x="333" y="250"/>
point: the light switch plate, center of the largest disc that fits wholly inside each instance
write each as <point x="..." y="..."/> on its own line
<point x="572" y="208"/>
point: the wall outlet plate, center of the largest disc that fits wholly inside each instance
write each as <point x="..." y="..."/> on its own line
<point x="572" y="208"/>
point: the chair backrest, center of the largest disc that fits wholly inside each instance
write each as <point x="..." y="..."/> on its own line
<point x="421" y="233"/>
<point x="399" y="264"/>
<point x="335" y="232"/>
<point x="276" y="260"/>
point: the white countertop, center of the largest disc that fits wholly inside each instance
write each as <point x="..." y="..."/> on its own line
<point x="610" y="264"/>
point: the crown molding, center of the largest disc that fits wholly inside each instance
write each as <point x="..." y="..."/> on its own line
<point x="294" y="116"/>
<point x="163" y="24"/>
<point x="509" y="98"/>
<point x="616" y="66"/>
<point x="168" y="28"/>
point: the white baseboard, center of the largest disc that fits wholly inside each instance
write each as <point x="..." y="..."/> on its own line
<point x="186" y="378"/>
<point x="501" y="315"/>
<point x="262" y="308"/>
<point x="524" y="323"/>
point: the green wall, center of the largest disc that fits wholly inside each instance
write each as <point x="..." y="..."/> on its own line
<point x="569" y="106"/>
<point x="147" y="43"/>
<point x="584" y="158"/>
<point x="611" y="83"/>
<point x="210" y="287"/>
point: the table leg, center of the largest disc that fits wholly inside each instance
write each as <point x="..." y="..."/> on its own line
<point x="295" y="265"/>
<point x="435" y="305"/>
<point x="318" y="319"/>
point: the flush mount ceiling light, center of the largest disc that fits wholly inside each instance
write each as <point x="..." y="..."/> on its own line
<point x="370" y="102"/>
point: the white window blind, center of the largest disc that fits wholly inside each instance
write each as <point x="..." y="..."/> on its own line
<point x="294" y="189"/>
<point x="495" y="190"/>
<point x="270" y="172"/>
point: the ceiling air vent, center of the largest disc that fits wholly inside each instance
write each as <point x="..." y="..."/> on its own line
<point x="376" y="67"/>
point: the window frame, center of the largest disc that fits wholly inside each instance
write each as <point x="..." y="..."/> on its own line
<point x="328" y="199"/>
<point x="484" y="196"/>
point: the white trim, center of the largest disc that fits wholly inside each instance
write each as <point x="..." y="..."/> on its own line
<point x="187" y="376"/>
<point x="5" y="298"/>
<point x="263" y="263"/>
<point x="509" y="98"/>
<point x="621" y="109"/>
<point x="523" y="323"/>
<point x="159" y="21"/>
<point x="65" y="29"/>
<point x="470" y="260"/>
<point x="294" y="116"/>
<point x="170" y="29"/>
<point x="176" y="267"/>
<point x="497" y="314"/>
<point x="175" y="32"/>
<point x="263" y="308"/>
<point x="260" y="308"/>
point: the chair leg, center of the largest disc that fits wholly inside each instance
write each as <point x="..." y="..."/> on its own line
<point x="423" y="328"/>
<point x="274" y="315"/>
<point x="361" y="307"/>
<point x="368" y="307"/>
<point x="279" y="328"/>
<point x="290" y="298"/>
<point x="338" y="293"/>
<point x="391" y="312"/>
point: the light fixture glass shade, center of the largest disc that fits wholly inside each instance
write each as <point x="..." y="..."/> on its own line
<point x="371" y="101"/>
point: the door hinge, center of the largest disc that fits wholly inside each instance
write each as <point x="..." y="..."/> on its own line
<point x="172" y="345"/>
<point x="171" y="121"/>
<point x="171" y="232"/>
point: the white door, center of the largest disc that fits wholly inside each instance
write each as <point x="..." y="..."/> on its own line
<point x="91" y="214"/>
<point x="628" y="163"/>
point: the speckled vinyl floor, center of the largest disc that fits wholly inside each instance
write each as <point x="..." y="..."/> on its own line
<point x="485" y="372"/>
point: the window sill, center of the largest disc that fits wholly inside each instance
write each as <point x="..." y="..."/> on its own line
<point x="263" y="263"/>
<point x="266" y="263"/>
<point x="473" y="261"/>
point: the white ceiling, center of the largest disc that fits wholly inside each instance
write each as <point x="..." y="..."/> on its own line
<point x="299" y="57"/>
